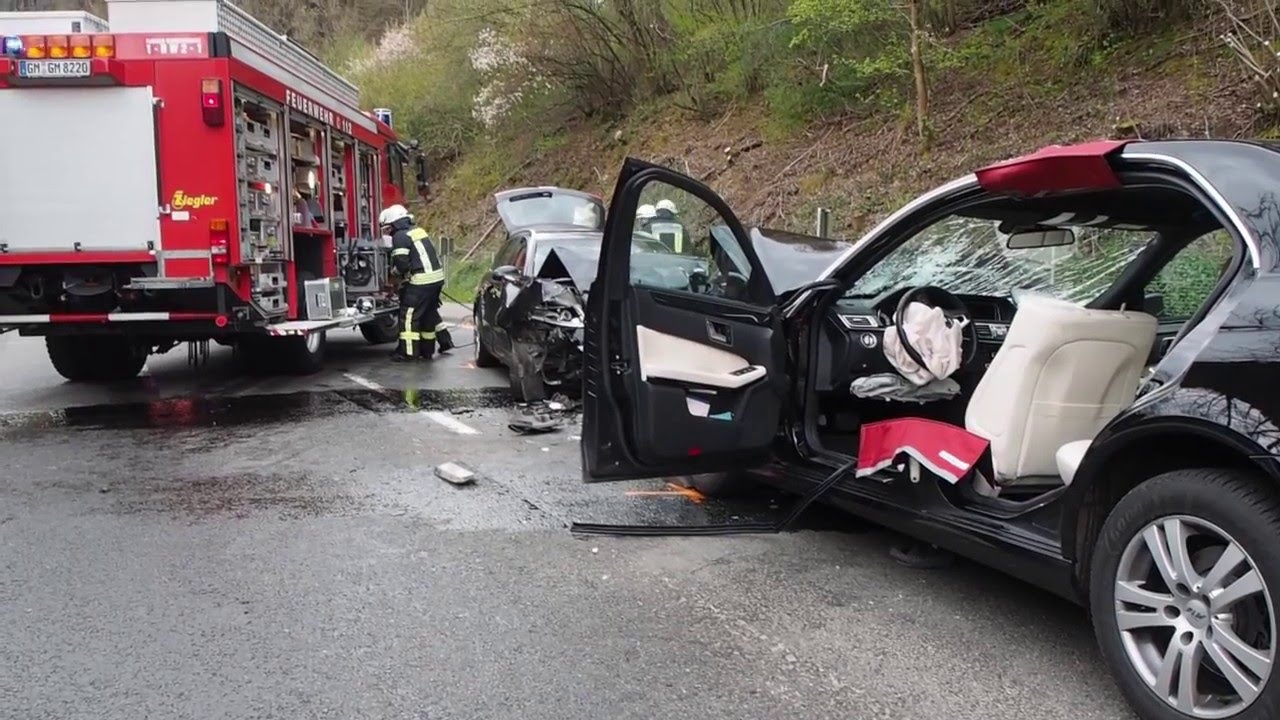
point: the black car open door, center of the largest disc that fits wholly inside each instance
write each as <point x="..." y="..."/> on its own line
<point x="684" y="367"/>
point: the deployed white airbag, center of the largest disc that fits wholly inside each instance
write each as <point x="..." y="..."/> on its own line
<point x="937" y="339"/>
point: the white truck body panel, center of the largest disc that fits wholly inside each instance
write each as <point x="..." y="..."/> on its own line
<point x="143" y="16"/>
<point x="50" y="23"/>
<point x="79" y="167"/>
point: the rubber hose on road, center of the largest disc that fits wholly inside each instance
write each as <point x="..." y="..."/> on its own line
<point x="714" y="530"/>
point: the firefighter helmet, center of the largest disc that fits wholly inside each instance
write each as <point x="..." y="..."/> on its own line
<point x="392" y="215"/>
<point x="668" y="206"/>
<point x="646" y="212"/>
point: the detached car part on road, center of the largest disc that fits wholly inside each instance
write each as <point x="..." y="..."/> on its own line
<point x="1107" y="429"/>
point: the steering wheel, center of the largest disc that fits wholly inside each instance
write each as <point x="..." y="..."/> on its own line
<point x="952" y="308"/>
<point x="731" y="284"/>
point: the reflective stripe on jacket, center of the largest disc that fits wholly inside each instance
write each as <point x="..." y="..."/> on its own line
<point x="415" y="257"/>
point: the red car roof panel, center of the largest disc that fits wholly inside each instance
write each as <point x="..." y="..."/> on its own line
<point x="1057" y="168"/>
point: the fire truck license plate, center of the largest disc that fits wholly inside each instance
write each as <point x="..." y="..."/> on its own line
<point x="54" y="68"/>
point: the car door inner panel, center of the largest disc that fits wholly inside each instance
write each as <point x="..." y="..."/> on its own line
<point x="700" y="382"/>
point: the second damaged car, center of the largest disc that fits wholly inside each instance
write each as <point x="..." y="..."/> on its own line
<point x="529" y="306"/>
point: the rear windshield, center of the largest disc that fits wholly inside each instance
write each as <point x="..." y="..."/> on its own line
<point x="551" y="207"/>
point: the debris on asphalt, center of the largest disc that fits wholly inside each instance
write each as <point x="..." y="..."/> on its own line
<point x="534" y="418"/>
<point x="455" y="474"/>
<point x="463" y="410"/>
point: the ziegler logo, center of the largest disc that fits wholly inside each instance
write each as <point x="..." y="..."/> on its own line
<point x="183" y="201"/>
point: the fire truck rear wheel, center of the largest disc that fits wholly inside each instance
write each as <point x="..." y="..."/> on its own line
<point x="95" y="359"/>
<point x="385" y="329"/>
<point x="303" y="354"/>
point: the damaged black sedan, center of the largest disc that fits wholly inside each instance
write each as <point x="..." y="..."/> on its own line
<point x="529" y="306"/>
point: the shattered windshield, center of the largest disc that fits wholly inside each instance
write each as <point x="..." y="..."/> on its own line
<point x="968" y="256"/>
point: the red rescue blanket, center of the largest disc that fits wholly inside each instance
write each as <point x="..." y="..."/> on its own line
<point x="945" y="450"/>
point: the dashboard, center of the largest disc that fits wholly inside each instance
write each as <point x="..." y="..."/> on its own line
<point x="852" y="343"/>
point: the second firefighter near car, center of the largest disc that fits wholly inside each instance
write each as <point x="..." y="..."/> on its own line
<point x="414" y="258"/>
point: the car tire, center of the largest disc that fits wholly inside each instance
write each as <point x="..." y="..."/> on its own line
<point x="381" y="330"/>
<point x="483" y="358"/>
<point x="95" y="358"/>
<point x="1210" y="513"/>
<point x="716" y="485"/>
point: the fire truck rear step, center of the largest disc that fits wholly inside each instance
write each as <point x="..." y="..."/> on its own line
<point x="304" y="327"/>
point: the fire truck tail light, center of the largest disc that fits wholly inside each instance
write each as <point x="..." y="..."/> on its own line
<point x="34" y="47"/>
<point x="81" y="47"/>
<point x="219" y="242"/>
<point x="211" y="102"/>
<point x="104" y="46"/>
<point x="58" y="46"/>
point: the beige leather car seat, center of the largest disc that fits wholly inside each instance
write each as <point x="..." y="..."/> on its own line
<point x="1062" y="373"/>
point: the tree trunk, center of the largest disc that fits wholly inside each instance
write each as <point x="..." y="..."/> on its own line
<point x="917" y="69"/>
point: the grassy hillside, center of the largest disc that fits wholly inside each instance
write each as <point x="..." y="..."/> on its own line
<point x="791" y="138"/>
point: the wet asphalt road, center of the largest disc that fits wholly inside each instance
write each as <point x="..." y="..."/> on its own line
<point x="198" y="545"/>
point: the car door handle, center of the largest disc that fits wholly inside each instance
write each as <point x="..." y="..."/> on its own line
<point x="719" y="332"/>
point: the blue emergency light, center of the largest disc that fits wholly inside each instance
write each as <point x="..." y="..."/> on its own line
<point x="12" y="45"/>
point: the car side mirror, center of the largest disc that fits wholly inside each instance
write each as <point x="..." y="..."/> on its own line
<point x="1040" y="237"/>
<point x="1153" y="304"/>
<point x="505" y="273"/>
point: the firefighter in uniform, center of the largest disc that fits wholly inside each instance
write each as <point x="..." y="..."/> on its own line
<point x="666" y="226"/>
<point x="422" y="278"/>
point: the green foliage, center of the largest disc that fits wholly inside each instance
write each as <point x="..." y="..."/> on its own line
<point x="1128" y="17"/>
<point x="464" y="278"/>
<point x="423" y="71"/>
<point x="862" y="48"/>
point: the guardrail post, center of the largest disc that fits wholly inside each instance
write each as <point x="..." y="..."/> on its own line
<point x="823" y="223"/>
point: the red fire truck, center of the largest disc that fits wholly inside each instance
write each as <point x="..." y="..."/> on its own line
<point x="182" y="173"/>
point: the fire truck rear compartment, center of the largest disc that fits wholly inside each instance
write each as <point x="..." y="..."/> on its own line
<point x="79" y="173"/>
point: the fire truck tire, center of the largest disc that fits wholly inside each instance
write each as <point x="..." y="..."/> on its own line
<point x="95" y="359"/>
<point x="303" y="354"/>
<point x="381" y="331"/>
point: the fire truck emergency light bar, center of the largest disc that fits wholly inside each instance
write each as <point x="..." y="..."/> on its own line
<point x="60" y="47"/>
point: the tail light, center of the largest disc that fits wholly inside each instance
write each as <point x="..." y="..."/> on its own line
<point x="34" y="47"/>
<point x="81" y="47"/>
<point x="220" y="242"/>
<point x="104" y="46"/>
<point x="211" y="102"/>
<point x="58" y="46"/>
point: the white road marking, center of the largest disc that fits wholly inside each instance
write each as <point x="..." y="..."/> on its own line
<point x="364" y="382"/>
<point x="450" y="423"/>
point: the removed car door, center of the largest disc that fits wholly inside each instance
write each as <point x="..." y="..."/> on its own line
<point x="686" y="377"/>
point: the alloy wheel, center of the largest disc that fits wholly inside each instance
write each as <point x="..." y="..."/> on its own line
<point x="1195" y="616"/>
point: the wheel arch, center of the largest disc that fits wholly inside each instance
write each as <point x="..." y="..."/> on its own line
<point x="1129" y="458"/>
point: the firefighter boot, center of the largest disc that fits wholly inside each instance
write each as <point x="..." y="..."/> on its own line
<point x="444" y="340"/>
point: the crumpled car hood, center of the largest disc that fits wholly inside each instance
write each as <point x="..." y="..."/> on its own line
<point x="553" y="296"/>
